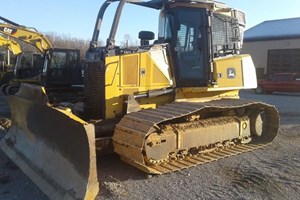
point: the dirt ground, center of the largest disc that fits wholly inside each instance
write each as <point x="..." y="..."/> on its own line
<point x="269" y="173"/>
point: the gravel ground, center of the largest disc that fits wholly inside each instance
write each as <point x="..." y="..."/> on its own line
<point x="269" y="173"/>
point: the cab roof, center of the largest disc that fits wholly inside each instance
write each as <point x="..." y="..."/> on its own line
<point x="158" y="4"/>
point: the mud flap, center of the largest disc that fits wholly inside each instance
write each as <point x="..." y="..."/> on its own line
<point x="54" y="148"/>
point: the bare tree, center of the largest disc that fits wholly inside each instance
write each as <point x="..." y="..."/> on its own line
<point x="127" y="41"/>
<point x="68" y="42"/>
<point x="61" y="41"/>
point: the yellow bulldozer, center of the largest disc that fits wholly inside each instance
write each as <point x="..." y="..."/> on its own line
<point x="161" y="107"/>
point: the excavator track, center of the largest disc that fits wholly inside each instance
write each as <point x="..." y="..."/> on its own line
<point x="183" y="134"/>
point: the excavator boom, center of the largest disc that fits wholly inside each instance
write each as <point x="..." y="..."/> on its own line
<point x="25" y="34"/>
<point x="11" y="45"/>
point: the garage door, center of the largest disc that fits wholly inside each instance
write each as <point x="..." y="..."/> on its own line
<point x="283" y="60"/>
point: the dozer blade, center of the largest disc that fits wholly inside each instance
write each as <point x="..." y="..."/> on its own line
<point x="181" y="134"/>
<point x="53" y="147"/>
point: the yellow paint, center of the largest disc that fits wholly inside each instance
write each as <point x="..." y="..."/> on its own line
<point x="70" y="114"/>
<point x="27" y="35"/>
<point x="138" y="73"/>
<point x="131" y="74"/>
<point x="11" y="45"/>
<point x="130" y="70"/>
<point x="228" y="72"/>
<point x="203" y="94"/>
<point x="43" y="90"/>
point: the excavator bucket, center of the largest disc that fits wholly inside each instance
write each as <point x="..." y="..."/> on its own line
<point x="53" y="147"/>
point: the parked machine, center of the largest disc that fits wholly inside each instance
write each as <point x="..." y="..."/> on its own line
<point x="52" y="67"/>
<point x="6" y="71"/>
<point x="161" y="107"/>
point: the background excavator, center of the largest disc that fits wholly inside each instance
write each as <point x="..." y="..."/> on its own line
<point x="6" y="71"/>
<point x="161" y="107"/>
<point x="52" y="67"/>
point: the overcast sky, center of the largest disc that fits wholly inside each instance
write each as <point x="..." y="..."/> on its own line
<point x="77" y="17"/>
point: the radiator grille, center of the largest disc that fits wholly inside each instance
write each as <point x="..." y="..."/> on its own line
<point x="94" y="89"/>
<point x="227" y="32"/>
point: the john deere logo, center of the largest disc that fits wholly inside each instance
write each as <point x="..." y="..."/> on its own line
<point x="231" y="73"/>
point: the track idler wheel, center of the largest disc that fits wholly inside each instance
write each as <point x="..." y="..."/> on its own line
<point x="256" y="124"/>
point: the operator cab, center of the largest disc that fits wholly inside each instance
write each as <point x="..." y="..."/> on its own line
<point x="197" y="36"/>
<point x="185" y="30"/>
<point x="63" y="67"/>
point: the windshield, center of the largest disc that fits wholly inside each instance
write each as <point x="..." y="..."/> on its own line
<point x="64" y="67"/>
<point x="190" y="42"/>
<point x="64" y="59"/>
<point x="28" y="65"/>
